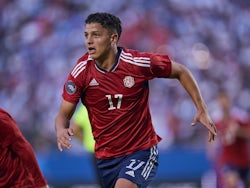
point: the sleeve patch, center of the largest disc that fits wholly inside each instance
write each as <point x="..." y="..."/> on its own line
<point x="70" y="87"/>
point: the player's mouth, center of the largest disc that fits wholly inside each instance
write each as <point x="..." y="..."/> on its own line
<point x="91" y="50"/>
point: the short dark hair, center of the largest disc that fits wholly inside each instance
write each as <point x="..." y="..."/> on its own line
<point x="107" y="21"/>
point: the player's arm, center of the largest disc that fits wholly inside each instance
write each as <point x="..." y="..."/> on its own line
<point x="187" y="80"/>
<point x="62" y="123"/>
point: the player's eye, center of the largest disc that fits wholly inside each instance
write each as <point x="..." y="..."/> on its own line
<point x="97" y="35"/>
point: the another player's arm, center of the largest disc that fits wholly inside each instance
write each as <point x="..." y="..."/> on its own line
<point x="62" y="123"/>
<point x="187" y="80"/>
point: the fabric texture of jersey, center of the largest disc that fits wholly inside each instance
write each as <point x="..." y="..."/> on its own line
<point x="117" y="101"/>
<point x="18" y="165"/>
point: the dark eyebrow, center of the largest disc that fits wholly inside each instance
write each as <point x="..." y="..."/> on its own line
<point x="95" y="31"/>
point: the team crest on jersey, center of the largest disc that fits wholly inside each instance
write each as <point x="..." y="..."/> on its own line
<point x="129" y="81"/>
<point x="70" y="87"/>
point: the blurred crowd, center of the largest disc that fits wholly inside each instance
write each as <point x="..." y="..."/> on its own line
<point x="41" y="40"/>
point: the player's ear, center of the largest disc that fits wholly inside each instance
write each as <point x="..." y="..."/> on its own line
<point x="114" y="38"/>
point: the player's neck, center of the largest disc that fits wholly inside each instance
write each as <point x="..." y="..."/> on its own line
<point x="108" y="61"/>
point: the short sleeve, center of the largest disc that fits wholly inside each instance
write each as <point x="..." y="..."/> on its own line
<point x="71" y="90"/>
<point x="73" y="86"/>
<point x="160" y="65"/>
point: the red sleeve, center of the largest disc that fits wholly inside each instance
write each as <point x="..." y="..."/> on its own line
<point x="71" y="90"/>
<point x="12" y="138"/>
<point x="73" y="86"/>
<point x="160" y="65"/>
<point x="25" y="151"/>
<point x="9" y="132"/>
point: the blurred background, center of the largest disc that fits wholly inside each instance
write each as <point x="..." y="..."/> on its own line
<point x="41" y="40"/>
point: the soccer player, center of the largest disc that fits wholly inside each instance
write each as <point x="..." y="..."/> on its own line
<point x="112" y="82"/>
<point x="232" y="159"/>
<point x="18" y="165"/>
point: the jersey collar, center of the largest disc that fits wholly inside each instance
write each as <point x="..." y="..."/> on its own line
<point x="115" y="64"/>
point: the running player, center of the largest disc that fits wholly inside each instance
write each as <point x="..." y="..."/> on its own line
<point x="112" y="82"/>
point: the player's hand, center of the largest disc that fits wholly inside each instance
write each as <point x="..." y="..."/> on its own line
<point x="64" y="138"/>
<point x="205" y="120"/>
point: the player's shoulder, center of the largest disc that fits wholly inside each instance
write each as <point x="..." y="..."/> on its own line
<point x="135" y="57"/>
<point x="84" y="57"/>
<point x="135" y="53"/>
<point x="84" y="60"/>
<point x="4" y="114"/>
<point x="81" y="65"/>
<point x="6" y="120"/>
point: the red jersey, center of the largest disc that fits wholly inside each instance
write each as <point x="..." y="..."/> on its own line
<point x="117" y="101"/>
<point x="18" y="165"/>
<point x="234" y="150"/>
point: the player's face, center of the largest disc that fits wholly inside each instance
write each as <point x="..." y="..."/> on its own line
<point x="99" y="41"/>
